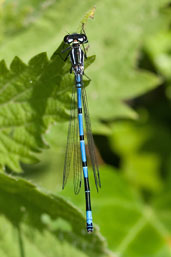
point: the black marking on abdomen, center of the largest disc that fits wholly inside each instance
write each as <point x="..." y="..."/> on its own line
<point x="87" y="194"/>
<point x="84" y="164"/>
<point x="79" y="110"/>
<point x="81" y="137"/>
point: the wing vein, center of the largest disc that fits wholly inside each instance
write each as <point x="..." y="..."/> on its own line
<point x="90" y="140"/>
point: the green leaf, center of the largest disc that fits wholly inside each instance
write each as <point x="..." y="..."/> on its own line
<point x="32" y="97"/>
<point x="140" y="167"/>
<point x="162" y="204"/>
<point x="124" y="29"/>
<point x="47" y="224"/>
<point x="131" y="227"/>
<point x="158" y="48"/>
<point x="30" y="27"/>
<point x="28" y="105"/>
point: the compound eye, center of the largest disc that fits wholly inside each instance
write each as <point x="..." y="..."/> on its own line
<point x="85" y="38"/>
<point x="70" y="40"/>
<point x="81" y="39"/>
<point x="67" y="39"/>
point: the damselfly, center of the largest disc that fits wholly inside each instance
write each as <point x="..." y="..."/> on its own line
<point x="75" y="155"/>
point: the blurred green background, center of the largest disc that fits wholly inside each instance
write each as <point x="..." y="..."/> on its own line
<point x="129" y="102"/>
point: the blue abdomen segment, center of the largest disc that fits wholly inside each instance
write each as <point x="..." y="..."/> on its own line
<point x="89" y="217"/>
<point x="85" y="171"/>
<point x="80" y="121"/>
<point x="83" y="151"/>
<point x="78" y="78"/>
<point x="89" y="221"/>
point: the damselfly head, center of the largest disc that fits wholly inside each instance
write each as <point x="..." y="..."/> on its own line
<point x="75" y="39"/>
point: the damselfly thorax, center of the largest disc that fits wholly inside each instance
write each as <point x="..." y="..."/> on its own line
<point x="77" y="59"/>
<point x="76" y="53"/>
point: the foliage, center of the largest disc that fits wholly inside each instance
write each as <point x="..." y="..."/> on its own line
<point x="109" y="40"/>
<point x="32" y="98"/>
<point x="131" y="41"/>
<point x="131" y="226"/>
<point x="28" y="208"/>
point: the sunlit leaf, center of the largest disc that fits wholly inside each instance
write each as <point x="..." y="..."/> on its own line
<point x="32" y="97"/>
<point x="47" y="224"/>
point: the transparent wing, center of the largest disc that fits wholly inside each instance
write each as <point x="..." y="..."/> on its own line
<point x="90" y="140"/>
<point x="72" y="161"/>
<point x="77" y="163"/>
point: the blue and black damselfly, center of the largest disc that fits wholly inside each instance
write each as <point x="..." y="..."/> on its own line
<point x="75" y="155"/>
